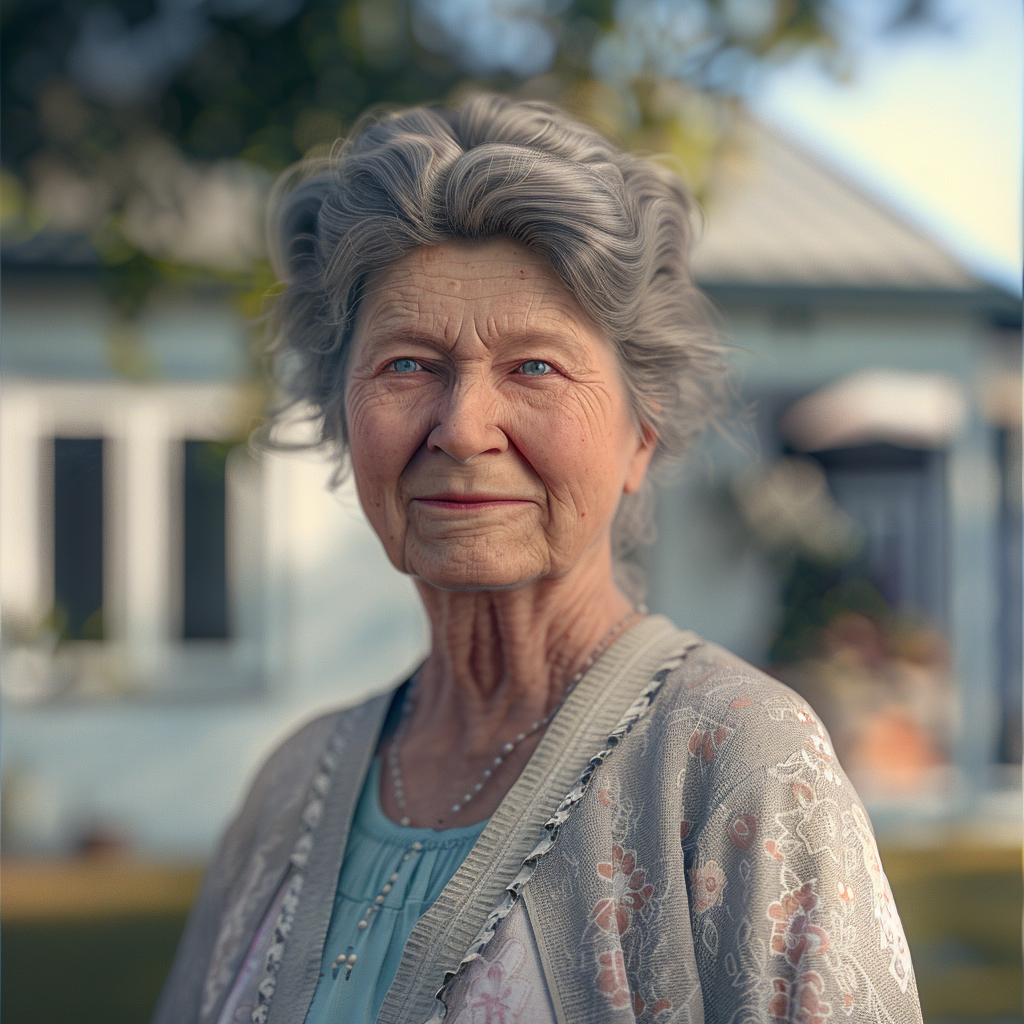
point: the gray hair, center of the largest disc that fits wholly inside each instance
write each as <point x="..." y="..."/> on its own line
<point x="615" y="227"/>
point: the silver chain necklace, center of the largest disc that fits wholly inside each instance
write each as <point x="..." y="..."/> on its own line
<point x="349" y="957"/>
<point x="395" y="768"/>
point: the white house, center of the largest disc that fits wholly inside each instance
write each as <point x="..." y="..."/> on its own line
<point x="173" y="601"/>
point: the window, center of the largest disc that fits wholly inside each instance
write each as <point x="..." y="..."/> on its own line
<point x="898" y="496"/>
<point x="78" y="538"/>
<point x="204" y="572"/>
<point x="132" y="542"/>
<point x="1009" y="575"/>
<point x="862" y="639"/>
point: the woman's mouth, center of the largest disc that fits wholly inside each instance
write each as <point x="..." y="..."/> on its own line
<point x="469" y="502"/>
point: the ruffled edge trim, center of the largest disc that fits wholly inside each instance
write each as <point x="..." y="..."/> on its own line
<point x="313" y="811"/>
<point x="552" y="827"/>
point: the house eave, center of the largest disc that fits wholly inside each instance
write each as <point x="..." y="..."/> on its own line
<point x="983" y="301"/>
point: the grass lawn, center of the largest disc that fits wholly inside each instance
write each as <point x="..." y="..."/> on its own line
<point x="90" y="943"/>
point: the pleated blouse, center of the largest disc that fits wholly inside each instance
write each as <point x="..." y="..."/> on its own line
<point x="377" y="850"/>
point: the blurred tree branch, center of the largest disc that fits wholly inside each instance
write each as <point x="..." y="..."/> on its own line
<point x="153" y="129"/>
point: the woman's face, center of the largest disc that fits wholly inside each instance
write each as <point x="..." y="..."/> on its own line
<point x="491" y="437"/>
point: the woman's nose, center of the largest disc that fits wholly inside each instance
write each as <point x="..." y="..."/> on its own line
<point x="467" y="424"/>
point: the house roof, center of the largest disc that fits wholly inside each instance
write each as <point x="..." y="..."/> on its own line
<point x="779" y="217"/>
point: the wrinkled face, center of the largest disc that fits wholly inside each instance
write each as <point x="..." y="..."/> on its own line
<point x="491" y="436"/>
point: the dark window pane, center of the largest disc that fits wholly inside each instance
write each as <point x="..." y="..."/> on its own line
<point x="1011" y="556"/>
<point x="898" y="496"/>
<point x="205" y="565"/>
<point x="78" y="537"/>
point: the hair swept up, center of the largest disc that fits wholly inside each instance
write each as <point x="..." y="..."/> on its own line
<point x="616" y="227"/>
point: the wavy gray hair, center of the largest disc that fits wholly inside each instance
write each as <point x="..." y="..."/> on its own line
<point x="614" y="226"/>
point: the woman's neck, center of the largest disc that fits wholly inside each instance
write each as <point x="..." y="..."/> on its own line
<point x="501" y="660"/>
<point x="500" y="663"/>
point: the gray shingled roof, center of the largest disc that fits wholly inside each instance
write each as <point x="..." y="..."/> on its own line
<point x="781" y="217"/>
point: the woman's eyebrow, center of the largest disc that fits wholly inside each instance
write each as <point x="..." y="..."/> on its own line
<point x="411" y="334"/>
<point x="407" y="332"/>
<point x="565" y="341"/>
<point x="398" y="321"/>
<point x="402" y="329"/>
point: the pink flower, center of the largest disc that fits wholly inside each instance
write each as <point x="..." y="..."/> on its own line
<point x="496" y="996"/>
<point x="778" y="1005"/>
<point x="706" y="743"/>
<point x="799" y="1002"/>
<point x="611" y="978"/>
<point x="608" y="914"/>
<point x="658" y="1006"/>
<point x="793" y="935"/>
<point x="803" y="793"/>
<point x="706" y="883"/>
<point x="742" y="829"/>
<point x="630" y="891"/>
<point x="693" y="683"/>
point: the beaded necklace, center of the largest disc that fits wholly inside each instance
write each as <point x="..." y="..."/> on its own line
<point x="349" y="958"/>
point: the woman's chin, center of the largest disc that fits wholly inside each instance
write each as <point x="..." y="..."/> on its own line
<point x="493" y="569"/>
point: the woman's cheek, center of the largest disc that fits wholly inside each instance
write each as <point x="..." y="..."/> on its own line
<point x="362" y="408"/>
<point x="377" y="420"/>
<point x="566" y="448"/>
<point x="378" y="453"/>
<point x="379" y="497"/>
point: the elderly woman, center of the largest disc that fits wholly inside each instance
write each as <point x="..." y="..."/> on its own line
<point x="572" y="811"/>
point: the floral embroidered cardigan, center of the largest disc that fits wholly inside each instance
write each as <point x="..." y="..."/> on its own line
<point x="682" y="846"/>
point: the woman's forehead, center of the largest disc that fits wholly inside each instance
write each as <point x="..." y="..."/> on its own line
<point x="468" y="269"/>
<point x="500" y="280"/>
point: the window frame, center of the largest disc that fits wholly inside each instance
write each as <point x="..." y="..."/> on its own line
<point x="143" y="427"/>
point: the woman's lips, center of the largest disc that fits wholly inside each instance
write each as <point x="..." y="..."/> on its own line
<point x="469" y="502"/>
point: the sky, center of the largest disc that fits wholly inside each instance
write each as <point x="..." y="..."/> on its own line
<point x="932" y="123"/>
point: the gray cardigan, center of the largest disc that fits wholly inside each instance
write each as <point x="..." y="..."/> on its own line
<point x="681" y="846"/>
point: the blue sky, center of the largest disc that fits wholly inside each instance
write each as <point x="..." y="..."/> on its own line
<point x="931" y="122"/>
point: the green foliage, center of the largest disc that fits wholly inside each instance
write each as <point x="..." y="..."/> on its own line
<point x="116" y="983"/>
<point x="211" y="457"/>
<point x="814" y="595"/>
<point x="267" y="94"/>
<point x="57" y="624"/>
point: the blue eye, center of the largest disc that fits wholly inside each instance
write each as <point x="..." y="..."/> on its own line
<point x="405" y="366"/>
<point x="535" y="368"/>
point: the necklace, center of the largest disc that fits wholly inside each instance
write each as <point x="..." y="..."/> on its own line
<point x="395" y="768"/>
<point x="349" y="958"/>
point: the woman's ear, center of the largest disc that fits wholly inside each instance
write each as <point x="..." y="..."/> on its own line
<point x="647" y="442"/>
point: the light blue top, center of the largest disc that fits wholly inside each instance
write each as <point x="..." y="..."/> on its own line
<point x="375" y="851"/>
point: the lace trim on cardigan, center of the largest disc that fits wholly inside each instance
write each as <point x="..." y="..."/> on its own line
<point x="311" y="815"/>
<point x="552" y="826"/>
